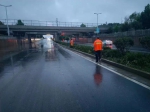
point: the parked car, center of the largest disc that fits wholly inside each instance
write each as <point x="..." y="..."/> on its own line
<point x="108" y="43"/>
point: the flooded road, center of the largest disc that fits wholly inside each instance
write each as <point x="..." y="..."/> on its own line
<point x="54" y="79"/>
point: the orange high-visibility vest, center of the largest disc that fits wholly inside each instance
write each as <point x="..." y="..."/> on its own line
<point x="71" y="42"/>
<point x="98" y="45"/>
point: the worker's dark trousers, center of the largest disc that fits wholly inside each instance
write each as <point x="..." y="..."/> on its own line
<point x="98" y="55"/>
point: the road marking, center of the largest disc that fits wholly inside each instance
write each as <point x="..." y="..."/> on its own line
<point x="139" y="83"/>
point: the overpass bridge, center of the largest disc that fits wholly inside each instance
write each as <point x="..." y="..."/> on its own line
<point x="49" y="28"/>
<point x="52" y="27"/>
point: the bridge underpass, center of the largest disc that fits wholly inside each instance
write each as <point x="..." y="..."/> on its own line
<point x="21" y="33"/>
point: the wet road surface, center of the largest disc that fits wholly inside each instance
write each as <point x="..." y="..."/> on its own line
<point x="54" y="79"/>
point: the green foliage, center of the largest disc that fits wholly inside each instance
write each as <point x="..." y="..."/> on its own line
<point x="145" y="17"/>
<point x="108" y="53"/>
<point x="20" y="22"/>
<point x="134" y="22"/>
<point x="106" y="48"/>
<point x="134" y="17"/>
<point x="63" y="43"/>
<point x="67" y="38"/>
<point x="136" y="25"/>
<point x="110" y="30"/>
<point x="86" y="49"/>
<point x="125" y="27"/>
<point x="1" y="23"/>
<point x="116" y="28"/>
<point x="82" y="25"/>
<point x="123" y="44"/>
<point x="145" y="42"/>
<point x="135" y="60"/>
<point x="63" y="37"/>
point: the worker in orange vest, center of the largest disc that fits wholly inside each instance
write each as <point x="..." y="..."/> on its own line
<point x="71" y="43"/>
<point x="98" y="46"/>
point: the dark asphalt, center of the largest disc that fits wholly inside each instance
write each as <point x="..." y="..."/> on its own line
<point x="56" y="80"/>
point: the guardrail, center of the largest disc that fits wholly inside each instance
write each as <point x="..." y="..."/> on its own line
<point x="47" y="23"/>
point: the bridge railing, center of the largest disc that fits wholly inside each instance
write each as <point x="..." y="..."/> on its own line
<point x="47" y="23"/>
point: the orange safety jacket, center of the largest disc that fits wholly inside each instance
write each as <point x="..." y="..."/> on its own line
<point x="71" y="42"/>
<point x="98" y="45"/>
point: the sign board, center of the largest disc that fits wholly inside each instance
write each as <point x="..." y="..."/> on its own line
<point x="97" y="30"/>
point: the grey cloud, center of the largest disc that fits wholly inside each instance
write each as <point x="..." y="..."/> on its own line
<point x="72" y="10"/>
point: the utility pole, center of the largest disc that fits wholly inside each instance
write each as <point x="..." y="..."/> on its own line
<point x="97" y="23"/>
<point x="7" y="17"/>
<point x="57" y="21"/>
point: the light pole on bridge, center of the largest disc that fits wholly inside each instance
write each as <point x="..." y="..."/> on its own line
<point x="6" y="17"/>
<point x="97" y="22"/>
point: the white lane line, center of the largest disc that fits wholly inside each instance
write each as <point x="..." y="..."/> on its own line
<point x="139" y="83"/>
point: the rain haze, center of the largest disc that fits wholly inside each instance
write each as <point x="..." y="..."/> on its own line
<point x="72" y="10"/>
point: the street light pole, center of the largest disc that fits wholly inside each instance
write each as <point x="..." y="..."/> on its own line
<point x="57" y="21"/>
<point x="97" y="20"/>
<point x="7" y="17"/>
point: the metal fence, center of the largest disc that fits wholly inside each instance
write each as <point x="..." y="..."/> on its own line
<point x="47" y="23"/>
<point x="137" y="33"/>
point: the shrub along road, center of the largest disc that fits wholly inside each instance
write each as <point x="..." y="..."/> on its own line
<point x="131" y="59"/>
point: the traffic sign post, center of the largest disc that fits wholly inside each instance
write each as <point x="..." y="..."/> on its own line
<point x="97" y="30"/>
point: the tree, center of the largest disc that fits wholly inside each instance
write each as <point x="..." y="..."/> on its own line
<point x="135" y="21"/>
<point x="110" y="30"/>
<point x="125" y="26"/>
<point x="1" y="23"/>
<point x="134" y="17"/>
<point x="123" y="44"/>
<point x="136" y="25"/>
<point x="20" y="22"/>
<point x="116" y="28"/>
<point x="82" y="25"/>
<point x="145" y="17"/>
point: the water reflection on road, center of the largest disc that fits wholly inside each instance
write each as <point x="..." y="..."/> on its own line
<point x="97" y="75"/>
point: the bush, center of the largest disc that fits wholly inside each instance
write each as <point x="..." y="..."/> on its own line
<point x="106" y="48"/>
<point x="145" y="42"/>
<point x="135" y="60"/>
<point x="86" y="49"/>
<point x="110" y="53"/>
<point x="123" y="44"/>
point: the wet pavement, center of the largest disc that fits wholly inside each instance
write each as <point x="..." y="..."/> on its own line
<point x="53" y="79"/>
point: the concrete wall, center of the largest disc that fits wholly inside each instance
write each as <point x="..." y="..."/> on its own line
<point x="11" y="45"/>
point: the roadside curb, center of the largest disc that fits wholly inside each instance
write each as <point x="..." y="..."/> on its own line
<point x="132" y="70"/>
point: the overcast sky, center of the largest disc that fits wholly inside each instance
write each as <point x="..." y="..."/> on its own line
<point x="72" y="10"/>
